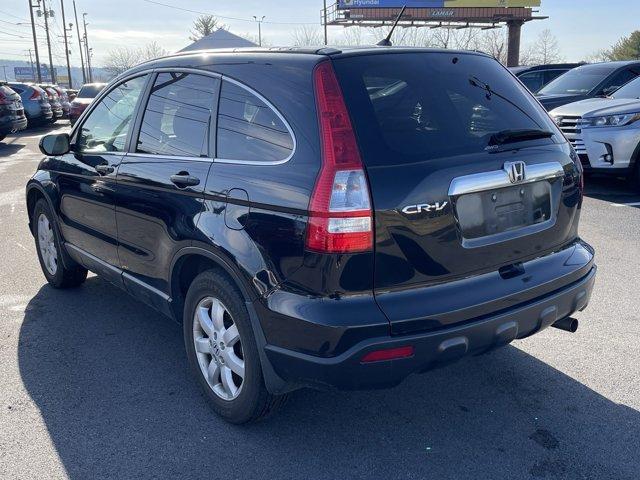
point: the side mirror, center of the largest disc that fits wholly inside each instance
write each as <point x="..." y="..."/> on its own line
<point x="56" y="144"/>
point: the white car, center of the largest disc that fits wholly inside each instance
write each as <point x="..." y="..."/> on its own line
<point x="605" y="132"/>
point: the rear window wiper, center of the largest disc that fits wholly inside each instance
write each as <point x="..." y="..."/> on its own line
<point x="511" y="136"/>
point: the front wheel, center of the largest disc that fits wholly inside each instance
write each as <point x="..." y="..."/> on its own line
<point x="49" y="252"/>
<point x="222" y="350"/>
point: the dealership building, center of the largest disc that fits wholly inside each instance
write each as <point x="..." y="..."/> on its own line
<point x="484" y="14"/>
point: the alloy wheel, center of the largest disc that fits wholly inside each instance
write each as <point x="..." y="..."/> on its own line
<point x="219" y="348"/>
<point x="47" y="244"/>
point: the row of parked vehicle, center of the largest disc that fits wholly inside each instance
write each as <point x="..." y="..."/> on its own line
<point x="597" y="107"/>
<point x="25" y="105"/>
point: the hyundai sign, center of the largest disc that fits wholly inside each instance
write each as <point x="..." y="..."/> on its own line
<point x="345" y="4"/>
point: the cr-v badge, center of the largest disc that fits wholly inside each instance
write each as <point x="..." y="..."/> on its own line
<point x="424" y="207"/>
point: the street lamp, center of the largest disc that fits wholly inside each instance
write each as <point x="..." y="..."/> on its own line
<point x="259" y="20"/>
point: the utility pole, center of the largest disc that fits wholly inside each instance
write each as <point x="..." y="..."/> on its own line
<point x="4" y="68"/>
<point x="66" y="43"/>
<point x="324" y="22"/>
<point x="48" y="13"/>
<point x="259" y="20"/>
<point x="86" y="46"/>
<point x="35" y="40"/>
<point x="75" y="12"/>
<point x="33" y="73"/>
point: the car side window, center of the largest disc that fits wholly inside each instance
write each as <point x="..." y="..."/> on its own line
<point x="619" y="79"/>
<point x="249" y="129"/>
<point x="177" y="116"/>
<point x="107" y="126"/>
<point x="533" y="80"/>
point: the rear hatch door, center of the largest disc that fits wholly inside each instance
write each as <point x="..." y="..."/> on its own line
<point x="468" y="174"/>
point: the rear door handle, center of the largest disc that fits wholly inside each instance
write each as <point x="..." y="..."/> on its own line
<point x="105" y="169"/>
<point x="183" y="179"/>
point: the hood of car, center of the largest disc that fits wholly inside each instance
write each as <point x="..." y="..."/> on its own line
<point x="82" y="101"/>
<point x="553" y="101"/>
<point x="598" y="106"/>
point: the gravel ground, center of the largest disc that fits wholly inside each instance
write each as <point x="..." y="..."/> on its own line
<point x="95" y="385"/>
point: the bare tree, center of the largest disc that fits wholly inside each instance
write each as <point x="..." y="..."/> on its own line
<point x="205" y="25"/>
<point x="121" y="59"/>
<point x="351" y="36"/>
<point x="307" y="35"/>
<point x="494" y="43"/>
<point x="546" y="49"/>
<point x="152" y="50"/>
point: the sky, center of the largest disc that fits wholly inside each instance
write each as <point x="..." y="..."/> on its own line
<point x="582" y="27"/>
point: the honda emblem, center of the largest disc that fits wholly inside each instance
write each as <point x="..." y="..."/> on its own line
<point x="517" y="171"/>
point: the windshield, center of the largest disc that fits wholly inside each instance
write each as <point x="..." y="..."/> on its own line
<point x="578" y="81"/>
<point x="411" y="107"/>
<point x="90" y="91"/>
<point x="630" y="90"/>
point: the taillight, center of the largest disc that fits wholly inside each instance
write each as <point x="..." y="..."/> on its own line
<point x="35" y="95"/>
<point x="3" y="99"/>
<point x="340" y="217"/>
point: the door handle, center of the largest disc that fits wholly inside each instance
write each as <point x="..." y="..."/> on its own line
<point x="183" y="180"/>
<point x="105" y="169"/>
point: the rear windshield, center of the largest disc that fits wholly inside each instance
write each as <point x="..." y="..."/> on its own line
<point x="90" y="91"/>
<point x="417" y="106"/>
<point x="578" y="81"/>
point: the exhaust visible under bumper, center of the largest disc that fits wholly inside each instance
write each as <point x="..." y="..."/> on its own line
<point x="568" y="324"/>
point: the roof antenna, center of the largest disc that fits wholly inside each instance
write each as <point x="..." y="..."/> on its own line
<point x="386" y="42"/>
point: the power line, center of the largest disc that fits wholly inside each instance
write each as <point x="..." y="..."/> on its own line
<point x="13" y="16"/>
<point x="13" y="34"/>
<point x="250" y="20"/>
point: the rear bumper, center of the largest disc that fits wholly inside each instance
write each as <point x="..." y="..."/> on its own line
<point x="13" y="124"/>
<point x="433" y="348"/>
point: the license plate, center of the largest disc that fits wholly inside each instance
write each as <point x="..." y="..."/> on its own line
<point x="492" y="212"/>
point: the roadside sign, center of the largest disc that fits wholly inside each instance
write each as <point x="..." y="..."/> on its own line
<point x="345" y="4"/>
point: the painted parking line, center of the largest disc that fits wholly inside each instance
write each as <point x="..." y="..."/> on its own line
<point x="629" y="204"/>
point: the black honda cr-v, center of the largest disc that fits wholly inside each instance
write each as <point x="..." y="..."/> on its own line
<point x="319" y="217"/>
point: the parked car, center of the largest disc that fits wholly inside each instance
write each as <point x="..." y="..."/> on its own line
<point x="588" y="81"/>
<point x="63" y="98"/>
<point x="35" y="101"/>
<point x="54" y="101"/>
<point x="71" y="93"/>
<point x="86" y="94"/>
<point x="12" y="117"/>
<point x="339" y="225"/>
<point x="605" y="132"/>
<point x="537" y="76"/>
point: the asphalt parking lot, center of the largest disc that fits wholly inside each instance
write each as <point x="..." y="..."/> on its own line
<point x="95" y="385"/>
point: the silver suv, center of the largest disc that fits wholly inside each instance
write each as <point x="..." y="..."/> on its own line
<point x="605" y="132"/>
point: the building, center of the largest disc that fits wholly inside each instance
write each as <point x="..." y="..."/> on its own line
<point x="221" y="38"/>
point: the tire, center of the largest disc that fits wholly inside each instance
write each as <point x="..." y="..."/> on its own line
<point x="237" y="399"/>
<point x="49" y="250"/>
<point x="635" y="177"/>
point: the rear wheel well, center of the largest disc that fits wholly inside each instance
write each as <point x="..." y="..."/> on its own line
<point x="186" y="269"/>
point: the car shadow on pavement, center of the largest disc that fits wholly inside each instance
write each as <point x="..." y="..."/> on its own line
<point x="112" y="384"/>
<point x="611" y="189"/>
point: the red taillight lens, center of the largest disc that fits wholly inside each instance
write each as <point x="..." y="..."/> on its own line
<point x="35" y="95"/>
<point x="3" y="99"/>
<point x="340" y="219"/>
<point x="388" y="354"/>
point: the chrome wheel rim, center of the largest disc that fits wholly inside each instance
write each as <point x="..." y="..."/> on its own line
<point x="218" y="348"/>
<point x="47" y="245"/>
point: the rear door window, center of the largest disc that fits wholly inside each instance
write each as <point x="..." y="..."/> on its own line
<point x="178" y="113"/>
<point x="249" y="129"/>
<point x="419" y="106"/>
